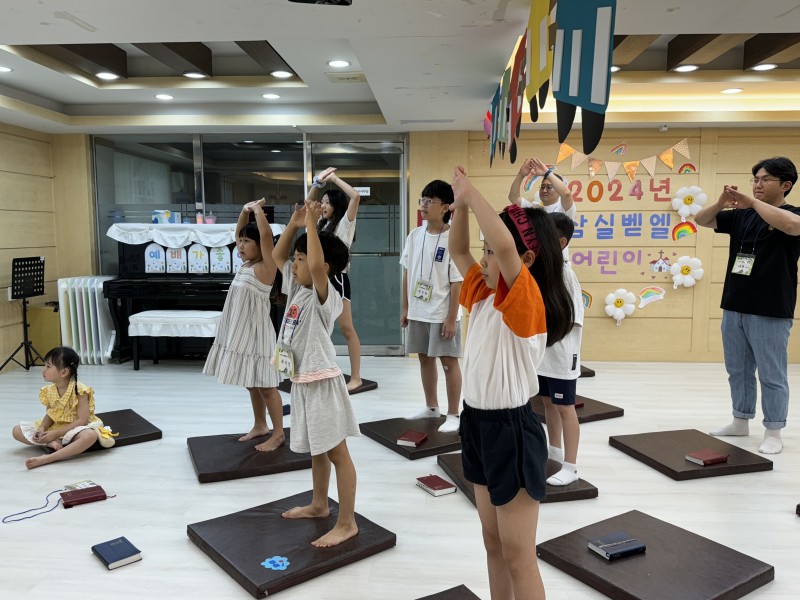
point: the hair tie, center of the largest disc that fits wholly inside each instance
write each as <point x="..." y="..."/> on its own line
<point x="526" y="231"/>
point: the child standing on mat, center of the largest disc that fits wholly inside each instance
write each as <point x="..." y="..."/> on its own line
<point x="558" y="375"/>
<point x="69" y="425"/>
<point x="245" y="344"/>
<point x="431" y="313"/>
<point x="322" y="417"/>
<point x="339" y="210"/>
<point x="517" y="303"/>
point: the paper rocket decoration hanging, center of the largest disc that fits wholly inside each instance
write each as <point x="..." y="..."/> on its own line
<point x="540" y="56"/>
<point x="581" y="66"/>
<point x="515" y="96"/>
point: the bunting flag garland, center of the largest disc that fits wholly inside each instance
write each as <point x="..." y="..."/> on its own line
<point x="595" y="165"/>
<point x="564" y="152"/>
<point x="577" y="159"/>
<point x="630" y="168"/>
<point x="649" y="164"/>
<point x="666" y="158"/>
<point x="612" y="168"/>
<point x="682" y="148"/>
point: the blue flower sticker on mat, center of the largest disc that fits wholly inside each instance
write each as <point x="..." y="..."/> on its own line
<point x="276" y="563"/>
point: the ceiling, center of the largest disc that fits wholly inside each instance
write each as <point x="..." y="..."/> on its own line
<point x="415" y="64"/>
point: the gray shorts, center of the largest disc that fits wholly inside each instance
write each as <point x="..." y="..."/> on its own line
<point x="426" y="338"/>
<point x="322" y="416"/>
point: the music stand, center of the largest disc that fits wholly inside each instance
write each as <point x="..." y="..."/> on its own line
<point x="27" y="280"/>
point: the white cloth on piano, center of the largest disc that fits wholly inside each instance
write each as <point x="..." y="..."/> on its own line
<point x="173" y="236"/>
<point x="175" y="323"/>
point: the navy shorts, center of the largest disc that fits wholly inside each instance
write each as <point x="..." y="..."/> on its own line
<point x="560" y="391"/>
<point x="341" y="283"/>
<point x="505" y="450"/>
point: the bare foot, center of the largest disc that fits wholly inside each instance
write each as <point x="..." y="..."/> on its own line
<point x="38" y="461"/>
<point x="254" y="433"/>
<point x="55" y="445"/>
<point x="354" y="384"/>
<point x="306" y="512"/>
<point x="335" y="536"/>
<point x="273" y="443"/>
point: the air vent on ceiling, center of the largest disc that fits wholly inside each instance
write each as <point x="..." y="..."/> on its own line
<point x="347" y="77"/>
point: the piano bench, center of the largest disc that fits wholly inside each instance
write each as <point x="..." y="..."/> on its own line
<point x="171" y="323"/>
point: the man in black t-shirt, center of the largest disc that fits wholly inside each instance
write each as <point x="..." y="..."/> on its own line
<point x="760" y="294"/>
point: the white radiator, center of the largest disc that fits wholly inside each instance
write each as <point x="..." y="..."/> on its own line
<point x="86" y="324"/>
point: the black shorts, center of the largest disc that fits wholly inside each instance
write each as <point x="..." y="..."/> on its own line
<point x="560" y="391"/>
<point x="505" y="450"/>
<point x="341" y="283"/>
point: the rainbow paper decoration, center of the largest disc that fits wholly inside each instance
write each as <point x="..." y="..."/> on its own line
<point x="650" y="294"/>
<point x="682" y="230"/>
<point x="620" y="149"/>
<point x="587" y="299"/>
<point x="686" y="168"/>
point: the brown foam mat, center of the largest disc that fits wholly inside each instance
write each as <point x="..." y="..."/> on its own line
<point x="587" y="372"/>
<point x="592" y="410"/>
<point x="366" y="385"/>
<point x="677" y="563"/>
<point x="665" y="451"/>
<point x="460" y="592"/>
<point x="131" y="426"/>
<point x="580" y="490"/>
<point x="387" y="431"/>
<point x="224" y="457"/>
<point x="265" y="553"/>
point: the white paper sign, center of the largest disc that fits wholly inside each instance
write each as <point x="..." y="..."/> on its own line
<point x="237" y="260"/>
<point x="155" y="259"/>
<point x="220" y="259"/>
<point x="362" y="191"/>
<point x="198" y="259"/>
<point x="176" y="260"/>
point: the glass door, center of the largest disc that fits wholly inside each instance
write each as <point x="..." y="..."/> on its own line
<point x="375" y="169"/>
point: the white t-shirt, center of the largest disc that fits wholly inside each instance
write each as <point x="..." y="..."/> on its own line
<point x="426" y="257"/>
<point x="562" y="360"/>
<point x="553" y="208"/>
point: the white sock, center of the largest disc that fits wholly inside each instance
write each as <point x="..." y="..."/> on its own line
<point x="554" y="453"/>
<point x="772" y="443"/>
<point x="430" y="412"/>
<point x="568" y="474"/>
<point x="736" y="427"/>
<point x="450" y="424"/>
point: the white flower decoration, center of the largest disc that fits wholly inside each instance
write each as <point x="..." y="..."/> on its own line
<point x="620" y="304"/>
<point x="689" y="201"/>
<point x="686" y="271"/>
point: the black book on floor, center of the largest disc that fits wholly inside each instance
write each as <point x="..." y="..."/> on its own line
<point x="117" y="553"/>
<point x="616" y="545"/>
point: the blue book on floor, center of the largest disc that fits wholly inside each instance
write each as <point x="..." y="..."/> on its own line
<point x="616" y="545"/>
<point x="117" y="553"/>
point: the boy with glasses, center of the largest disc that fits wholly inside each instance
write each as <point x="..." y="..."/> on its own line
<point x="759" y="296"/>
<point x="430" y="309"/>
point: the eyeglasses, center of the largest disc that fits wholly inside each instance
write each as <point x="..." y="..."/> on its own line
<point x="764" y="180"/>
<point x="546" y="188"/>
<point x="426" y="201"/>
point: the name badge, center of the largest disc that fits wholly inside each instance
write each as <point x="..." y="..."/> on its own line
<point x="743" y="265"/>
<point x="284" y="360"/>
<point x="423" y="290"/>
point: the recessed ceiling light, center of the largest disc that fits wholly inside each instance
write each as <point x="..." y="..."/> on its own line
<point x="164" y="97"/>
<point x="247" y="141"/>
<point x="6" y="69"/>
<point x="107" y="75"/>
<point x="281" y="74"/>
<point x="686" y="68"/>
<point x="732" y="91"/>
<point x="614" y="68"/>
<point x="298" y="141"/>
<point x="765" y="67"/>
<point x="194" y="75"/>
<point x="270" y="96"/>
<point x="275" y="151"/>
<point x="338" y="64"/>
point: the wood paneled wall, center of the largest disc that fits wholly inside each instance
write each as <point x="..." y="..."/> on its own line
<point x="685" y="325"/>
<point x="46" y="209"/>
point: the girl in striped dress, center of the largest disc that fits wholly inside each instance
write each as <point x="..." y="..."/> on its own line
<point x="244" y="348"/>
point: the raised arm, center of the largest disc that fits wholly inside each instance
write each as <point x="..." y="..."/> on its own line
<point x="316" y="258"/>
<point x="496" y="234"/>
<point x="707" y="217"/>
<point x="459" y="238"/>
<point x="354" y="200"/>
<point x="782" y="220"/>
<point x="560" y="188"/>
<point x="524" y="171"/>
<point x="244" y="219"/>
<point x="264" y="270"/>
<point x="281" y="252"/>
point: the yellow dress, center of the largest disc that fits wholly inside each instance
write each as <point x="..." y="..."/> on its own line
<point x="63" y="410"/>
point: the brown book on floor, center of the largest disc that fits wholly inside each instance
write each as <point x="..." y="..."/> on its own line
<point x="83" y="496"/>
<point x="435" y="485"/>
<point x="706" y="456"/>
<point x="412" y="438"/>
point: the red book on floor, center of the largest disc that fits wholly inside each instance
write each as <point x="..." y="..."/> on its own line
<point x="412" y="438"/>
<point x="579" y="404"/>
<point x="83" y="496"/>
<point x="706" y="456"/>
<point x="435" y="485"/>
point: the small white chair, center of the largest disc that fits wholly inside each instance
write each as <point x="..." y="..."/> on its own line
<point x="171" y="323"/>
